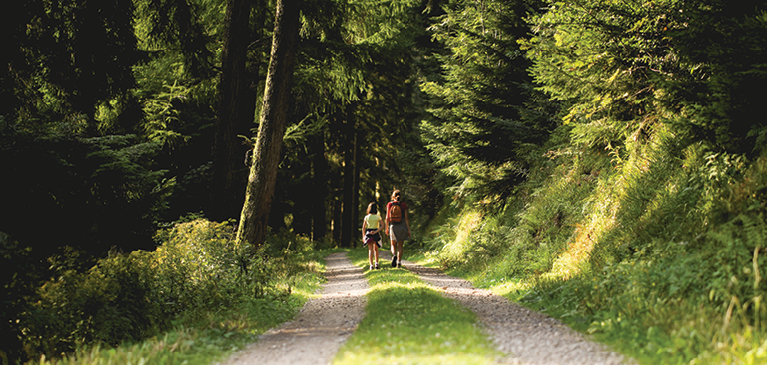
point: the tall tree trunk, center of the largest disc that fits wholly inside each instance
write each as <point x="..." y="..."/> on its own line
<point x="337" y="213"/>
<point x="266" y="152"/>
<point x="347" y="224"/>
<point x="356" y="191"/>
<point x="235" y="113"/>
<point x="303" y="196"/>
<point x="318" y="207"/>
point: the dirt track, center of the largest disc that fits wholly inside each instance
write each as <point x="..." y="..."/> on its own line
<point x="527" y="337"/>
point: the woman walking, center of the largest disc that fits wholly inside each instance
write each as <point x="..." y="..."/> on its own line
<point x="371" y="228"/>
<point x="397" y="226"/>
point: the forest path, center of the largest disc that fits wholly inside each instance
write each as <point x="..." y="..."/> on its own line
<point x="528" y="337"/>
<point x="325" y="323"/>
<point x="322" y="325"/>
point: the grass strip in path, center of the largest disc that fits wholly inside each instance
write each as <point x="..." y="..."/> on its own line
<point x="408" y="322"/>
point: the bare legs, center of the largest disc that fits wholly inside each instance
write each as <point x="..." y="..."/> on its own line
<point x="373" y="254"/>
<point x="396" y="250"/>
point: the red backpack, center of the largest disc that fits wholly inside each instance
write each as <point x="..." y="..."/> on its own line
<point x="395" y="212"/>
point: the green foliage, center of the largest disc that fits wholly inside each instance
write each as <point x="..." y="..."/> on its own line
<point x="213" y="335"/>
<point x="65" y="56"/>
<point x="674" y="250"/>
<point x="655" y="247"/>
<point x="718" y="95"/>
<point x="180" y="26"/>
<point x="480" y="131"/>
<point x="624" y="66"/>
<point x="87" y="139"/>
<point x="197" y="271"/>
<point x="92" y="192"/>
<point x="533" y="228"/>
<point x="18" y="276"/>
<point x="108" y="303"/>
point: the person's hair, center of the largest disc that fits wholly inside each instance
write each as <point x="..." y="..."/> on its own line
<point x="373" y="208"/>
<point x="395" y="195"/>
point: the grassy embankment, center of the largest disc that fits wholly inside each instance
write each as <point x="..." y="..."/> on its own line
<point x="658" y="252"/>
<point x="408" y="322"/>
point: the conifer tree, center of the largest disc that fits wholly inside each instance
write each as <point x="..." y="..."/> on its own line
<point x="479" y="130"/>
<point x="622" y="67"/>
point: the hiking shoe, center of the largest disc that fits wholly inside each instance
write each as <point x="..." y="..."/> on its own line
<point x="394" y="261"/>
<point x="371" y="267"/>
<point x="399" y="264"/>
<point x="377" y="267"/>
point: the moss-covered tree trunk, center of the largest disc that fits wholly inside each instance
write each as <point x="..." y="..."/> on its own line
<point x="266" y="152"/>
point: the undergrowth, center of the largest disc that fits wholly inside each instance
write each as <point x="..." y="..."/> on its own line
<point x="657" y="248"/>
<point x="196" y="286"/>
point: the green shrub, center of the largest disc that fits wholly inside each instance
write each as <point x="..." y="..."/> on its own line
<point x="197" y="269"/>
<point x="108" y="303"/>
<point x="18" y="275"/>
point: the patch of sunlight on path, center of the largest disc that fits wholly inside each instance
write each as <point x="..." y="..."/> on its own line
<point x="528" y="337"/>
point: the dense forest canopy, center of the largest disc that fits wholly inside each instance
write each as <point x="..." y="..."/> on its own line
<point x="585" y="126"/>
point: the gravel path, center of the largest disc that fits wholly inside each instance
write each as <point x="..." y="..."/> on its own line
<point x="324" y="323"/>
<point x="527" y="336"/>
<point x="321" y="327"/>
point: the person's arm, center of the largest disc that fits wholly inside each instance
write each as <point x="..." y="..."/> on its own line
<point x="407" y="222"/>
<point x="364" y="226"/>
<point x="387" y="219"/>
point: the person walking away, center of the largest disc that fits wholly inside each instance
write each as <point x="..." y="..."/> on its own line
<point x="371" y="228"/>
<point x="397" y="226"/>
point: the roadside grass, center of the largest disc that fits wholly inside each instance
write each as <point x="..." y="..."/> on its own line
<point x="211" y="337"/>
<point x="408" y="322"/>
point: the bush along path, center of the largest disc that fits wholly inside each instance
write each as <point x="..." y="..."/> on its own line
<point x="416" y="315"/>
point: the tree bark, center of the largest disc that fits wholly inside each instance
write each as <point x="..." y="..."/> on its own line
<point x="356" y="191"/>
<point x="337" y="209"/>
<point x="235" y="114"/>
<point x="266" y="152"/>
<point x="318" y="207"/>
<point x="348" y="181"/>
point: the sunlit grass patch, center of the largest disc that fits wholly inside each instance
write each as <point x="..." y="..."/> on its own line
<point x="408" y="322"/>
<point x="424" y="258"/>
<point x="180" y="346"/>
<point x="208" y="341"/>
